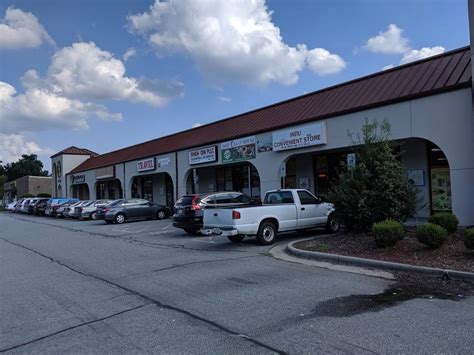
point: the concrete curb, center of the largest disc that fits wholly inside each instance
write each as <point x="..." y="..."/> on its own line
<point x="378" y="264"/>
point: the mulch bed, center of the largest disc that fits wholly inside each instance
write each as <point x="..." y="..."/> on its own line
<point x="452" y="255"/>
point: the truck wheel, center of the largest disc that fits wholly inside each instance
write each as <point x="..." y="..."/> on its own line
<point x="266" y="233"/>
<point x="332" y="225"/>
<point x="235" y="238"/>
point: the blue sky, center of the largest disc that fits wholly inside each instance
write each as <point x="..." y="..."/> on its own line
<point x="65" y="79"/>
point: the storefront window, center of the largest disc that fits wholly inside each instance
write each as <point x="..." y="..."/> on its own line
<point x="241" y="178"/>
<point x="440" y="180"/>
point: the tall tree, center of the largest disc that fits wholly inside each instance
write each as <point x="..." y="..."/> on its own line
<point x="28" y="164"/>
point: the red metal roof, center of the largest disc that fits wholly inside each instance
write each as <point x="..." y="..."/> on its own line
<point x="441" y="73"/>
<point x="72" y="150"/>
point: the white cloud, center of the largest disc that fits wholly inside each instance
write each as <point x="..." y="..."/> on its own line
<point x="13" y="146"/>
<point x="196" y="125"/>
<point x="321" y="62"/>
<point x="233" y="40"/>
<point x="19" y="29"/>
<point x="225" y="98"/>
<point x="84" y="71"/>
<point x="40" y="109"/>
<point x="391" y="41"/>
<point x="417" y="54"/>
<point x="129" y="53"/>
<point x="389" y="66"/>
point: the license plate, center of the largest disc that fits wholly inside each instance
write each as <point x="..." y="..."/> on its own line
<point x="216" y="231"/>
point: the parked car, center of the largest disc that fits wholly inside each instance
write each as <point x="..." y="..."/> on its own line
<point x="75" y="210"/>
<point x="189" y="208"/>
<point x="16" y="209"/>
<point x="54" y="203"/>
<point x="64" y="208"/>
<point x="31" y="205"/>
<point x="11" y="206"/>
<point x="24" y="206"/>
<point x="40" y="206"/>
<point x="282" y="211"/>
<point x="122" y="210"/>
<point x="90" y="211"/>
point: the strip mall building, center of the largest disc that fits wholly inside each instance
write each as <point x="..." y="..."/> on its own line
<point x="303" y="142"/>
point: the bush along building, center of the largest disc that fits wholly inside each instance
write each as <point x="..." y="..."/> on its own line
<point x="303" y="143"/>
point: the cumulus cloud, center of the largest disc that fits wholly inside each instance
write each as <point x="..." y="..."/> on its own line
<point x="391" y="41"/>
<point x="417" y="54"/>
<point x="196" y="125"/>
<point x="39" y="109"/>
<point x="232" y="40"/>
<point x="321" y="62"/>
<point x="84" y="71"/>
<point x="13" y="146"/>
<point x="19" y="29"/>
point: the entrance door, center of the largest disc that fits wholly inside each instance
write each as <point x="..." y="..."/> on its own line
<point x="147" y="188"/>
<point x="169" y="191"/>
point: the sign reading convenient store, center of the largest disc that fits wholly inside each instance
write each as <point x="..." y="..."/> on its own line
<point x="105" y="173"/>
<point x="78" y="179"/>
<point x="146" y="164"/>
<point x="238" y="149"/>
<point x="203" y="155"/>
<point x="314" y="134"/>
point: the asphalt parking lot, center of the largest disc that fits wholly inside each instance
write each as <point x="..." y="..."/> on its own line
<point x="88" y="287"/>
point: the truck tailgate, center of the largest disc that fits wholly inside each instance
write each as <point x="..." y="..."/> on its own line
<point x="218" y="217"/>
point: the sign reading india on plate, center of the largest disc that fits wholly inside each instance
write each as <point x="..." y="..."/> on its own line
<point x="313" y="134"/>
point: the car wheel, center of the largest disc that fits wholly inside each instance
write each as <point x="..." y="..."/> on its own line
<point x="119" y="218"/>
<point x="332" y="225"/>
<point x="93" y="216"/>
<point x="192" y="231"/>
<point x="161" y="214"/>
<point x="266" y="233"/>
<point x="236" y="238"/>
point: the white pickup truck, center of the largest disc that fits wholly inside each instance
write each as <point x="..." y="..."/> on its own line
<point x="282" y="210"/>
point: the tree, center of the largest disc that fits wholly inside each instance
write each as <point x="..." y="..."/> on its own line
<point x="26" y="165"/>
<point x="376" y="188"/>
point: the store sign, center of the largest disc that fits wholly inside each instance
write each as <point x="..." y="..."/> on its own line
<point x="351" y="160"/>
<point x="146" y="164"/>
<point x="162" y="162"/>
<point x="203" y="155"/>
<point x="78" y="179"/>
<point x="314" y="134"/>
<point x="239" y="149"/>
<point x="105" y="173"/>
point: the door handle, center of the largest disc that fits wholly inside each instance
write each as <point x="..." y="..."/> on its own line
<point x="302" y="208"/>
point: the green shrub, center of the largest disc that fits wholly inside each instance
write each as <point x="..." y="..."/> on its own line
<point x="27" y="196"/>
<point x="469" y="238"/>
<point x="387" y="233"/>
<point x="431" y="235"/>
<point x="376" y="188"/>
<point x="43" y="195"/>
<point x="446" y="220"/>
